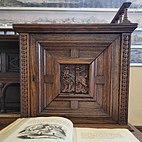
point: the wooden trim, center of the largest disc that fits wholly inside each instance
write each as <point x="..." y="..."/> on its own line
<point x="139" y="128"/>
<point x="24" y="66"/>
<point x="121" y="11"/>
<point x="124" y="79"/>
<point x="75" y="28"/>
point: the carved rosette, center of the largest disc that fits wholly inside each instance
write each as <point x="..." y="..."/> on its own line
<point x="124" y="79"/>
<point x="24" y="65"/>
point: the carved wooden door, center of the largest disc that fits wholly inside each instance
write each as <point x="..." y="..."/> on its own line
<point x="76" y="76"/>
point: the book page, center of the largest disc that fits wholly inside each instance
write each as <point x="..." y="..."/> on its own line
<point x="103" y="135"/>
<point x="45" y="129"/>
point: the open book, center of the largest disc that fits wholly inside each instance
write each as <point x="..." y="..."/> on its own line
<point x="59" y="129"/>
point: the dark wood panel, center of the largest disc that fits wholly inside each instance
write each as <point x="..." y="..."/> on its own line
<point x="5" y="122"/>
<point x="9" y="73"/>
<point x="49" y="64"/>
<point x="75" y="28"/>
<point x="52" y="60"/>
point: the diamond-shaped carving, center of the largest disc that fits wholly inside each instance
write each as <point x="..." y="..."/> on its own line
<point x="12" y="62"/>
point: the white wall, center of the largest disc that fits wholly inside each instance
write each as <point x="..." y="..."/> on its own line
<point x="135" y="96"/>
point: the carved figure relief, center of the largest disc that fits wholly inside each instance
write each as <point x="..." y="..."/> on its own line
<point x="74" y="79"/>
<point x="81" y="79"/>
<point x="67" y="78"/>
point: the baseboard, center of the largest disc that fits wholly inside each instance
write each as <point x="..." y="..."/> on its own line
<point x="139" y="128"/>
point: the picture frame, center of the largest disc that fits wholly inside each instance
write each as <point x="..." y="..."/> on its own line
<point x="136" y="55"/>
<point x="54" y="16"/>
<point x="137" y="37"/>
<point x="63" y="3"/>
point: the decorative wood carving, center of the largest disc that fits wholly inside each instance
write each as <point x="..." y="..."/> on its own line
<point x="125" y="19"/>
<point x="74" y="79"/>
<point x="24" y="65"/>
<point x="124" y="79"/>
<point x="121" y="15"/>
<point x="13" y="62"/>
<point x="68" y="76"/>
<point x="76" y="71"/>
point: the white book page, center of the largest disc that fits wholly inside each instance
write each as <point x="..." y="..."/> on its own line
<point x="45" y="129"/>
<point x="103" y="135"/>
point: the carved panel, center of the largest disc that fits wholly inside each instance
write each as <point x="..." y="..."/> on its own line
<point x="13" y="62"/>
<point x="49" y="51"/>
<point x="24" y="40"/>
<point x="82" y="77"/>
<point x="67" y="79"/>
<point x="74" y="79"/>
<point x="124" y="79"/>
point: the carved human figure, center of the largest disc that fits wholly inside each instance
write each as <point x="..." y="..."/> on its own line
<point x="81" y="81"/>
<point x="68" y="80"/>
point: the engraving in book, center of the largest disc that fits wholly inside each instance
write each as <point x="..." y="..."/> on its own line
<point x="40" y="131"/>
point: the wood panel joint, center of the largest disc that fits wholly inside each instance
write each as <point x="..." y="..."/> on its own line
<point x="74" y="53"/>
<point x="100" y="80"/>
<point x="48" y="78"/>
<point x="74" y="104"/>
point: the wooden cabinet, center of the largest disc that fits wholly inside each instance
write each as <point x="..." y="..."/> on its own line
<point x="9" y="72"/>
<point x="77" y="71"/>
